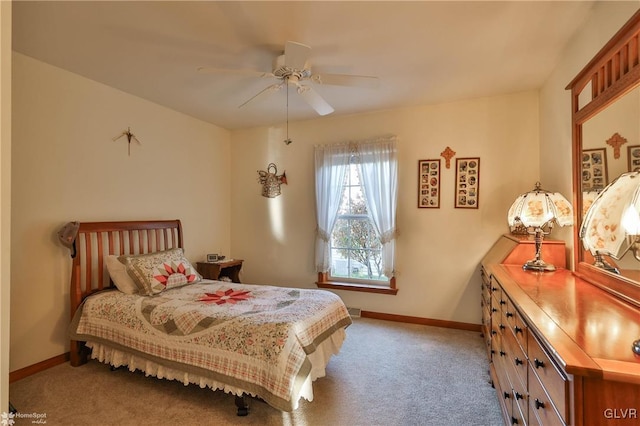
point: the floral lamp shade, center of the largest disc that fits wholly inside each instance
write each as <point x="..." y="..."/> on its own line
<point x="538" y="208"/>
<point x="588" y="197"/>
<point x="614" y="217"/>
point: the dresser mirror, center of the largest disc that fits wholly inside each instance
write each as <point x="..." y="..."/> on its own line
<point x="606" y="143"/>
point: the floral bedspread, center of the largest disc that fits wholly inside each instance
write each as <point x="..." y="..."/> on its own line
<point x="254" y="337"/>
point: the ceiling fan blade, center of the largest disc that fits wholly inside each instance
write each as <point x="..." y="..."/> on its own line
<point x="314" y="99"/>
<point x="266" y="91"/>
<point x="296" y="55"/>
<point x="365" y="81"/>
<point x="237" y="71"/>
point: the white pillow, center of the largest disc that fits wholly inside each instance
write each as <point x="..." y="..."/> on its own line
<point x="119" y="275"/>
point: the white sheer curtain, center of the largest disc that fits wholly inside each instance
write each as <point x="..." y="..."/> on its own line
<point x="378" y="164"/>
<point x="331" y="163"/>
<point x="379" y="172"/>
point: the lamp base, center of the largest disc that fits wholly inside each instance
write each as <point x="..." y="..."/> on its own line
<point x="601" y="263"/>
<point x="636" y="347"/>
<point x="538" y="266"/>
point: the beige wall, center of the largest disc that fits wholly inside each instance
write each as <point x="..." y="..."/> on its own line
<point x="5" y="198"/>
<point x="438" y="250"/>
<point x="555" y="102"/>
<point x="65" y="167"/>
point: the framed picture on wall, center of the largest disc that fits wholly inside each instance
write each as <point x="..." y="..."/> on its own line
<point x="467" y="183"/>
<point x="594" y="169"/>
<point x="633" y="158"/>
<point x="428" y="184"/>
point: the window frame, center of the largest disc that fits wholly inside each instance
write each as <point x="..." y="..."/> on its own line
<point x="326" y="280"/>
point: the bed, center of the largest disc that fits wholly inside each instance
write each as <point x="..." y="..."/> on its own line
<point x="266" y="342"/>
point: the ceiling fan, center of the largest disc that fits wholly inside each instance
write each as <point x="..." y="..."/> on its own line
<point x="293" y="68"/>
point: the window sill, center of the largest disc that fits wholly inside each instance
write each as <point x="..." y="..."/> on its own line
<point x="337" y="285"/>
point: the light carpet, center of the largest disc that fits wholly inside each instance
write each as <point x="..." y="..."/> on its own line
<point x="387" y="373"/>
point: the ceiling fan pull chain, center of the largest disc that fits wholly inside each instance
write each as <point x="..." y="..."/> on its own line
<point x="287" y="141"/>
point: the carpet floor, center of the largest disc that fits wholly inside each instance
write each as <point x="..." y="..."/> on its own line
<point x="387" y="373"/>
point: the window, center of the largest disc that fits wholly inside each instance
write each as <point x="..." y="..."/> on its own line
<point x="355" y="248"/>
<point x="356" y="197"/>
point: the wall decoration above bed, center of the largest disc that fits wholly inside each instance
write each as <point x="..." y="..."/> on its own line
<point x="130" y="137"/>
<point x="467" y="186"/>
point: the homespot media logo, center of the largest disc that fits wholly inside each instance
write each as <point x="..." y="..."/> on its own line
<point x="9" y="419"/>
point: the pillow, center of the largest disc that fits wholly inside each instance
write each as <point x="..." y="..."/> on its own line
<point x="155" y="272"/>
<point x="119" y="275"/>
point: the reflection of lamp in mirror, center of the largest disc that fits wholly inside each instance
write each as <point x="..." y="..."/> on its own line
<point x="538" y="210"/>
<point x="611" y="226"/>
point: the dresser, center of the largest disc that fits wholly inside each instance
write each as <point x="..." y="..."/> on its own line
<point x="559" y="348"/>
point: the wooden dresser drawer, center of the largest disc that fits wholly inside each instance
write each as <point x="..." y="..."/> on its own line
<point x="515" y="358"/>
<point x="504" y="389"/>
<point x="552" y="380"/>
<point x="497" y="306"/>
<point x="496" y="290"/>
<point x="518" y="395"/>
<point x="541" y="409"/>
<point x="521" y="404"/>
<point x="517" y="325"/>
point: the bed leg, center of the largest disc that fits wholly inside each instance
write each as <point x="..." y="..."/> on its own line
<point x="243" y="405"/>
<point x="78" y="353"/>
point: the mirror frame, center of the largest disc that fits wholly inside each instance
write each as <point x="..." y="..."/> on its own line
<point x="613" y="72"/>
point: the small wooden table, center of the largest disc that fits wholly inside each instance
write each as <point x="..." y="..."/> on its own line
<point x="224" y="268"/>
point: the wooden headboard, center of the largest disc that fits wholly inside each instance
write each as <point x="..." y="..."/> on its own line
<point x="95" y="240"/>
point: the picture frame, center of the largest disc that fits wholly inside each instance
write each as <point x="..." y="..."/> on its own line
<point x="429" y="184"/>
<point x="212" y="258"/>
<point x="595" y="175"/>
<point x="633" y="158"/>
<point x="467" y="185"/>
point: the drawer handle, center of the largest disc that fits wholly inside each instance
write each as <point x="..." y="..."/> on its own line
<point x="507" y="395"/>
<point x="493" y="351"/>
<point x="537" y="363"/>
<point x="517" y="329"/>
<point x="539" y="404"/>
<point x="519" y="395"/>
<point x="494" y="288"/>
<point x="503" y="302"/>
<point x="494" y="310"/>
<point x="514" y="421"/>
<point x="509" y="314"/>
<point x="493" y="332"/>
<point x="518" y="361"/>
<point x="502" y="327"/>
<point x="502" y="353"/>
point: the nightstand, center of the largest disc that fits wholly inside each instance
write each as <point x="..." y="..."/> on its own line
<point x="224" y="268"/>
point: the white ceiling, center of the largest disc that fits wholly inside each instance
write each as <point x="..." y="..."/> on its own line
<point x="422" y="51"/>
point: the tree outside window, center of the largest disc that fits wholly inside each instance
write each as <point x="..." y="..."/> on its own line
<point x="355" y="248"/>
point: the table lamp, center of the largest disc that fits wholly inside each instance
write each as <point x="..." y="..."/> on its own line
<point x="537" y="211"/>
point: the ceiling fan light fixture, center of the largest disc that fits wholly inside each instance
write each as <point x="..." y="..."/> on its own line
<point x="293" y="67"/>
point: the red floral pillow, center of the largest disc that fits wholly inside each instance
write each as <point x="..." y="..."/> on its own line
<point x="154" y="273"/>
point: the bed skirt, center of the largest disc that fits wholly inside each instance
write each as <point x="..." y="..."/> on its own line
<point x="118" y="358"/>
